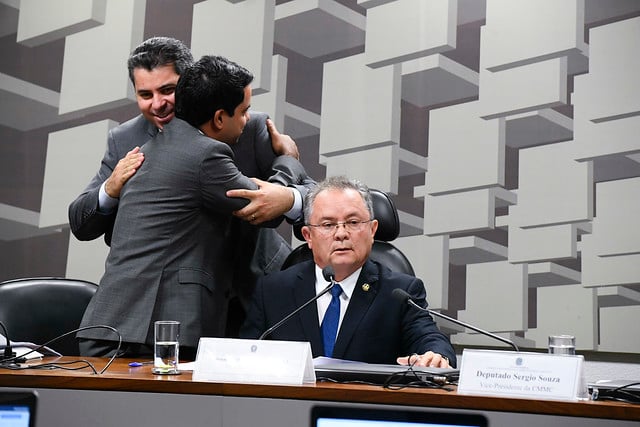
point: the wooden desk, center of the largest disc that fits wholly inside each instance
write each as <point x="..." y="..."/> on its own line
<point x="134" y="396"/>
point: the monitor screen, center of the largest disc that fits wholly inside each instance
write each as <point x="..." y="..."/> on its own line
<point x="17" y="409"/>
<point x="341" y="416"/>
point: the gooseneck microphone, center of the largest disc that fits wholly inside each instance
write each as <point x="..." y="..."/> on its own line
<point x="404" y="297"/>
<point x="329" y="276"/>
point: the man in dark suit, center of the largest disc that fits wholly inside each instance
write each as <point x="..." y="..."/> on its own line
<point x="370" y="326"/>
<point x="172" y="244"/>
<point x="154" y="68"/>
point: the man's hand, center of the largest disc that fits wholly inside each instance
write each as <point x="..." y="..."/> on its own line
<point x="266" y="203"/>
<point x="430" y="359"/>
<point x="125" y="169"/>
<point x="283" y="145"/>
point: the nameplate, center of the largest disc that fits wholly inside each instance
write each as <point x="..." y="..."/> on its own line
<point x="521" y="374"/>
<point x="253" y="361"/>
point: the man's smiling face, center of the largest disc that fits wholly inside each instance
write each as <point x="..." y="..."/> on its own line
<point x="155" y="93"/>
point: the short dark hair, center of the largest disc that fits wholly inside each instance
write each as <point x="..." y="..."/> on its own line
<point x="211" y="84"/>
<point x="158" y="52"/>
<point x="337" y="183"/>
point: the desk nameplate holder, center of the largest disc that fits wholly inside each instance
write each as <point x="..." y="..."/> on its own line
<point x="522" y="374"/>
<point x="254" y="361"/>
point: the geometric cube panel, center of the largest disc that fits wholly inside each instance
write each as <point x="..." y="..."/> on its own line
<point x="616" y="229"/>
<point x="357" y="165"/>
<point x="437" y="80"/>
<point x="541" y="243"/>
<point x="43" y="21"/>
<point x="430" y="261"/>
<point x="464" y="157"/>
<point x="489" y="285"/>
<point x="538" y="128"/>
<point x="523" y="89"/>
<point x="360" y="106"/>
<point x="408" y="29"/>
<point x="600" y="271"/>
<point x="607" y="99"/>
<point x="273" y="101"/>
<point x="104" y="48"/>
<point x="558" y="193"/>
<point x="318" y="28"/>
<point x="213" y="31"/>
<point x="615" y="331"/>
<point x="571" y="310"/>
<point x="513" y="35"/>
<point x="63" y="183"/>
<point x="459" y="212"/>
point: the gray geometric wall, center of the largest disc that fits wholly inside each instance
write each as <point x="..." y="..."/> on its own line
<point x="507" y="132"/>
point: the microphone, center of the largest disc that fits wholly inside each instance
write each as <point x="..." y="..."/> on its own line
<point x="404" y="297"/>
<point x="329" y="276"/>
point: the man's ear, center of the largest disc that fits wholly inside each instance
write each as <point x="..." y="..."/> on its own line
<point x="217" y="121"/>
<point x="306" y="233"/>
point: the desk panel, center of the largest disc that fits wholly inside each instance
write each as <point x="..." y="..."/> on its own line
<point x="125" y="396"/>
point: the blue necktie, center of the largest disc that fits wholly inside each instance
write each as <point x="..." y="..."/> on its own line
<point x="329" y="326"/>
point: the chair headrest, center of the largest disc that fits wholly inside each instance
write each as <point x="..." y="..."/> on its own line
<point x="384" y="210"/>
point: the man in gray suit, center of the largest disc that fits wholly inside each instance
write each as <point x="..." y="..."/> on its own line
<point x="154" y="68"/>
<point x="172" y="243"/>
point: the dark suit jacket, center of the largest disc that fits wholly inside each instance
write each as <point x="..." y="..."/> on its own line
<point x="376" y="328"/>
<point x="172" y="243"/>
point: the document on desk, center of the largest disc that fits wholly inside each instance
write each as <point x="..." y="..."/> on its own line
<point x="348" y="370"/>
<point x="27" y="349"/>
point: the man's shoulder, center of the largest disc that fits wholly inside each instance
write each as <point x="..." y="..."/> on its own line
<point x="136" y="130"/>
<point x="187" y="134"/>
<point x="256" y="122"/>
<point x="258" y="117"/>
<point x="300" y="269"/>
<point x="385" y="273"/>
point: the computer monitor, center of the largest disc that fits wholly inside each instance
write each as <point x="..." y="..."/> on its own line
<point x="341" y="416"/>
<point x="18" y="409"/>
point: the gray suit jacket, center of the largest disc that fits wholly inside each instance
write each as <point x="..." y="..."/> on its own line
<point x="172" y="242"/>
<point x="376" y="327"/>
<point x="262" y="251"/>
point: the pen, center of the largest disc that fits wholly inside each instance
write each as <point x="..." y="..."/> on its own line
<point x="136" y="364"/>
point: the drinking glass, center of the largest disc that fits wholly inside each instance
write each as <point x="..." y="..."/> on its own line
<point x="166" y="347"/>
<point x="562" y="344"/>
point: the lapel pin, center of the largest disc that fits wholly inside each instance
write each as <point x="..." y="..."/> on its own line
<point x="365" y="287"/>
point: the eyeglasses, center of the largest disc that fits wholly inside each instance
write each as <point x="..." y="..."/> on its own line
<point x="328" y="228"/>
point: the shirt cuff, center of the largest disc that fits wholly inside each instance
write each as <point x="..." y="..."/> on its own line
<point x="296" y="211"/>
<point x="106" y="203"/>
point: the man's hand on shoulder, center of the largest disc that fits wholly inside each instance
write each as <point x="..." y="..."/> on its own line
<point x="125" y="169"/>
<point x="283" y="145"/>
<point x="266" y="203"/>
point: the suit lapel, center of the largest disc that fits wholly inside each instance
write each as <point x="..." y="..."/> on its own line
<point x="152" y="130"/>
<point x="363" y="295"/>
<point x="303" y="292"/>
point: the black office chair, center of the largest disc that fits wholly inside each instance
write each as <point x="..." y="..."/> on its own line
<point x="384" y="210"/>
<point x="39" y="309"/>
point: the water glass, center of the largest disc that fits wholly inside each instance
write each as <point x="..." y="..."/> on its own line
<point x="562" y="344"/>
<point x="166" y="347"/>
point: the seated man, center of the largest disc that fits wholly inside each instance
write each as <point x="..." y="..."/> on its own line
<point x="371" y="326"/>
